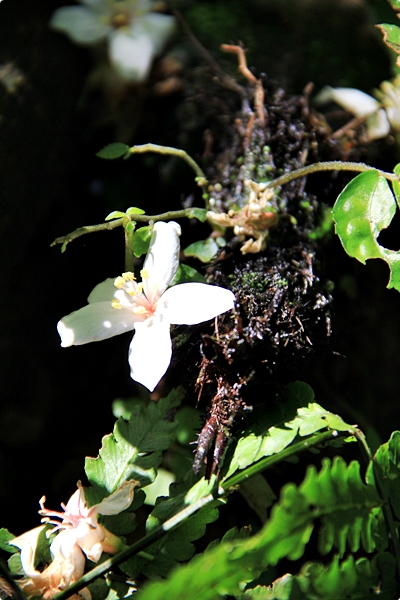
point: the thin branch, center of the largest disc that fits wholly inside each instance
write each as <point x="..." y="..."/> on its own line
<point x="224" y="489"/>
<point x="109" y="225"/>
<point x="332" y="165"/>
<point x="170" y="151"/>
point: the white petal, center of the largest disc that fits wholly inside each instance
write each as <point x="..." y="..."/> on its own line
<point x="131" y="57"/>
<point x="94" y="322"/>
<point x="192" y="303"/>
<point x="118" y="501"/>
<point x="377" y="125"/>
<point x="27" y="542"/>
<point x="67" y="553"/>
<point x="103" y="292"/>
<point x="150" y="352"/>
<point x="157" y="26"/>
<point x="82" y="25"/>
<point x="355" y="101"/>
<point x="162" y="258"/>
<point x="393" y="113"/>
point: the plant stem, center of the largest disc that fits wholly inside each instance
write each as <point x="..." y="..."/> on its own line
<point x="332" y="165"/>
<point x="109" y="225"/>
<point x="201" y="178"/>
<point x="225" y="488"/>
<point x="128" y="250"/>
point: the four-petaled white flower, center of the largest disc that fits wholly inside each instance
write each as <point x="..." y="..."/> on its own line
<point x="148" y="307"/>
<point x="79" y="534"/>
<point x="135" y="35"/>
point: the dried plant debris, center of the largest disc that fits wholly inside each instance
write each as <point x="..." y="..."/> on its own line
<point x="283" y="301"/>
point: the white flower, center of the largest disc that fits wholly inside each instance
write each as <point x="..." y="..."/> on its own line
<point x="148" y="307"/>
<point x="359" y="104"/>
<point x="81" y="524"/>
<point x="67" y="566"/>
<point x="135" y="36"/>
<point x="79" y="533"/>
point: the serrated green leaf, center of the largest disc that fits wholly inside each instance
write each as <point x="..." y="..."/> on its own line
<point x="173" y="548"/>
<point x="309" y="420"/>
<point x="133" y="210"/>
<point x="391" y="34"/>
<point x="204" y="250"/>
<point x="365" y="207"/>
<point x="141" y="241"/>
<point x="387" y="459"/>
<point x="133" y="450"/>
<point x="258" y="494"/>
<point x="112" y="151"/>
<point x="186" y="274"/>
<point x="116" y="214"/>
<point x="198" y="213"/>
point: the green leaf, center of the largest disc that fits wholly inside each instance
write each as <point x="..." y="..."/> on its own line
<point x="115" y="150"/>
<point x="387" y="459"/>
<point x="362" y="210"/>
<point x="198" y="213"/>
<point x="186" y="274"/>
<point x="395" y="4"/>
<point x="116" y="214"/>
<point x="173" y="548"/>
<point x="391" y="34"/>
<point x="396" y="184"/>
<point x="204" y="250"/>
<point x="309" y="419"/>
<point x="5" y="537"/>
<point x="133" y="210"/>
<point x="130" y="227"/>
<point x="133" y="450"/>
<point x="141" y="241"/>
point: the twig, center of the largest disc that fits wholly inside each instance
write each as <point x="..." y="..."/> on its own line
<point x="170" y="151"/>
<point x="109" y="225"/>
<point x="332" y="165"/>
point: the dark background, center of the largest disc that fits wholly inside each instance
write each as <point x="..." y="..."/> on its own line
<point x="56" y="403"/>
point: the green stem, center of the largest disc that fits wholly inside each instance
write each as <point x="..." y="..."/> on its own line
<point x="128" y="250"/>
<point x="224" y="489"/>
<point x="200" y="176"/>
<point x="332" y="165"/>
<point x="109" y="225"/>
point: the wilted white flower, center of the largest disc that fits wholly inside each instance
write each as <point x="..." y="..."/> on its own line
<point x="359" y="104"/>
<point x="134" y="34"/>
<point x="79" y="534"/>
<point x="149" y="308"/>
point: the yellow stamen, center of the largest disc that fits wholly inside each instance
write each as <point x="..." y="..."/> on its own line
<point x="128" y="276"/>
<point x="144" y="274"/>
<point x="131" y="292"/>
<point x="140" y="288"/>
<point x="119" y="283"/>
<point x="116" y="303"/>
<point x="139" y="310"/>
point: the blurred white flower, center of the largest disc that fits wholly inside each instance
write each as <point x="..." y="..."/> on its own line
<point x="359" y="104"/>
<point x="389" y="95"/>
<point x="148" y="307"/>
<point x="134" y="34"/>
